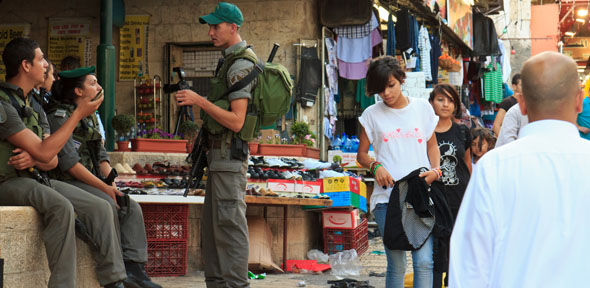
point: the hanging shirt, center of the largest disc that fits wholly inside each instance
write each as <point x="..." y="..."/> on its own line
<point x="357" y="71"/>
<point x="355" y="50"/>
<point x="522" y="222"/>
<point x="435" y="52"/>
<point x="390" y="47"/>
<point x="399" y="139"/>
<point x="424" y="48"/>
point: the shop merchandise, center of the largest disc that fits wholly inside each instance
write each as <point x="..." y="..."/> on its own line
<point x="424" y="48"/>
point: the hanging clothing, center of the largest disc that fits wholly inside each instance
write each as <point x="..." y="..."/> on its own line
<point x="493" y="84"/>
<point x="390" y="45"/>
<point x="485" y="39"/>
<point x="361" y="98"/>
<point x="402" y="28"/>
<point x="504" y="61"/>
<point x="353" y="71"/>
<point x="357" y="71"/>
<point x="424" y="48"/>
<point x="435" y="52"/>
<point x="355" y="50"/>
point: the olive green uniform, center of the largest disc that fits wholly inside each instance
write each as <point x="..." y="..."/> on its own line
<point x="17" y="188"/>
<point x="224" y="227"/>
<point x="129" y="223"/>
<point x="94" y="212"/>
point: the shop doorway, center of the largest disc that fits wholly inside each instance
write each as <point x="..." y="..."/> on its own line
<point x="198" y="61"/>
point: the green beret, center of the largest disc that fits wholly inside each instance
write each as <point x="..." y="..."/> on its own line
<point x="83" y="71"/>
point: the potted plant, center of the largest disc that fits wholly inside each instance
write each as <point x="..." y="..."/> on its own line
<point x="190" y="130"/>
<point x="303" y="135"/>
<point x="122" y="124"/>
<point x="157" y="140"/>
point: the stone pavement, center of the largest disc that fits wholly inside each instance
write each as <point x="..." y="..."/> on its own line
<point x="370" y="263"/>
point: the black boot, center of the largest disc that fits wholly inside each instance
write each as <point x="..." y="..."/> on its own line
<point x="118" y="284"/>
<point x="136" y="276"/>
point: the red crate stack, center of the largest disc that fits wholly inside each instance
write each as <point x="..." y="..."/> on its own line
<point x="336" y="240"/>
<point x="166" y="228"/>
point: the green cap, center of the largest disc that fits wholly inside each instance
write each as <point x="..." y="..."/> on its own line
<point x="83" y="71"/>
<point x="224" y="12"/>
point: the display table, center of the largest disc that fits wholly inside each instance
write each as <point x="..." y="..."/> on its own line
<point x="283" y="202"/>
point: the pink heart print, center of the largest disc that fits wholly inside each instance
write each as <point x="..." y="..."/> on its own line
<point x="420" y="140"/>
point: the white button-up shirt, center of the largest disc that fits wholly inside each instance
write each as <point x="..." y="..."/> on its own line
<point x="524" y="218"/>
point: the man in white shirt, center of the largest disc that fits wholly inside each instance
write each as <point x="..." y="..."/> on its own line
<point x="522" y="220"/>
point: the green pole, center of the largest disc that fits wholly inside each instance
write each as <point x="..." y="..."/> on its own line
<point x="106" y="70"/>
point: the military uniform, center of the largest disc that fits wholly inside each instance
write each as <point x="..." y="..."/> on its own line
<point x="18" y="188"/>
<point x="129" y="222"/>
<point x="94" y="212"/>
<point x="224" y="227"/>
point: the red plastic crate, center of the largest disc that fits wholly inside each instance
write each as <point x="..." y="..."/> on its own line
<point x="336" y="240"/>
<point x="166" y="258"/>
<point x="165" y="221"/>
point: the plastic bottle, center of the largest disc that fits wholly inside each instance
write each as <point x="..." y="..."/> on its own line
<point x="337" y="143"/>
<point x="348" y="145"/>
<point x="355" y="144"/>
<point x="343" y="145"/>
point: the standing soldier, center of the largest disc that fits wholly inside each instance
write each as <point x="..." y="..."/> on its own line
<point x="225" y="230"/>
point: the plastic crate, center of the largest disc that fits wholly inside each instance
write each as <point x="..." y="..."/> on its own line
<point x="336" y="240"/>
<point x="165" y="221"/>
<point x="166" y="258"/>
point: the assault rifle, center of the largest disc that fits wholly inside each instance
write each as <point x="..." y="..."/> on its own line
<point x="93" y="148"/>
<point x="198" y="158"/>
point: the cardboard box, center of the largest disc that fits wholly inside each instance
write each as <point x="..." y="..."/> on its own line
<point x="363" y="189"/>
<point x="278" y="185"/>
<point x="346" y="159"/>
<point x="260" y="239"/>
<point x="339" y="184"/>
<point x="348" y="199"/>
<point x="314" y="187"/>
<point x="341" y="219"/>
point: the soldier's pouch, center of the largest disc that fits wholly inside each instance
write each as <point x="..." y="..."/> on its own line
<point x="249" y="128"/>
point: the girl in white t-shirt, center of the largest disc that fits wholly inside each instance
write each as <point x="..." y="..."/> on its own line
<point x="401" y="130"/>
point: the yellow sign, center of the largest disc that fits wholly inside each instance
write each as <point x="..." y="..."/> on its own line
<point x="69" y="37"/>
<point x="7" y="33"/>
<point x="133" y="54"/>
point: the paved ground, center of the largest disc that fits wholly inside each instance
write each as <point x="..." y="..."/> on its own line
<point x="370" y="262"/>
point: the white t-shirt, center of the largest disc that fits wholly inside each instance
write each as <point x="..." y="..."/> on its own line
<point x="399" y="139"/>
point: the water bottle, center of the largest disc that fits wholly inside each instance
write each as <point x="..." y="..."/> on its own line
<point x="355" y="144"/>
<point x="348" y="145"/>
<point x="344" y="141"/>
<point x="337" y="143"/>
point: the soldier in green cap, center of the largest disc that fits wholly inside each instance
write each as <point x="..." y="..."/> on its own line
<point x="84" y="163"/>
<point x="224" y="229"/>
<point x="25" y="154"/>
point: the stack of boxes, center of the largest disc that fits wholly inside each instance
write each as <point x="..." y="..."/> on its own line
<point x="166" y="228"/>
<point x="346" y="192"/>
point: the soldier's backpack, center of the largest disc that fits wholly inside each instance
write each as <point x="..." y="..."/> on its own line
<point x="271" y="98"/>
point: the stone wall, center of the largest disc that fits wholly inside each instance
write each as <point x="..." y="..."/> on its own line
<point x="25" y="260"/>
<point x="266" y="22"/>
<point x="518" y="32"/>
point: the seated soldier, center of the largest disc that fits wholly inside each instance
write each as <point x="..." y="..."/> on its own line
<point x="24" y="155"/>
<point x="84" y="163"/>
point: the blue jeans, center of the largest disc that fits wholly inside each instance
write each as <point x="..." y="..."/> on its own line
<point x="396" y="259"/>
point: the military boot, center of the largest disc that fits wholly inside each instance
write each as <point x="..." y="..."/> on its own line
<point x="136" y="276"/>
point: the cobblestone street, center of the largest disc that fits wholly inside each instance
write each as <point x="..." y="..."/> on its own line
<point x="371" y="264"/>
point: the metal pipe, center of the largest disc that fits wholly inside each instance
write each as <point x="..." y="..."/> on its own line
<point x="321" y="112"/>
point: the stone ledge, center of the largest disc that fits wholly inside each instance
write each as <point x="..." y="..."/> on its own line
<point x="25" y="260"/>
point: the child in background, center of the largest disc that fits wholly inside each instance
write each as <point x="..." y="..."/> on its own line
<point x="483" y="141"/>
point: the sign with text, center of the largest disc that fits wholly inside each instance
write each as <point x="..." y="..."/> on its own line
<point x="69" y="37"/>
<point x="7" y="33"/>
<point x="133" y="54"/>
